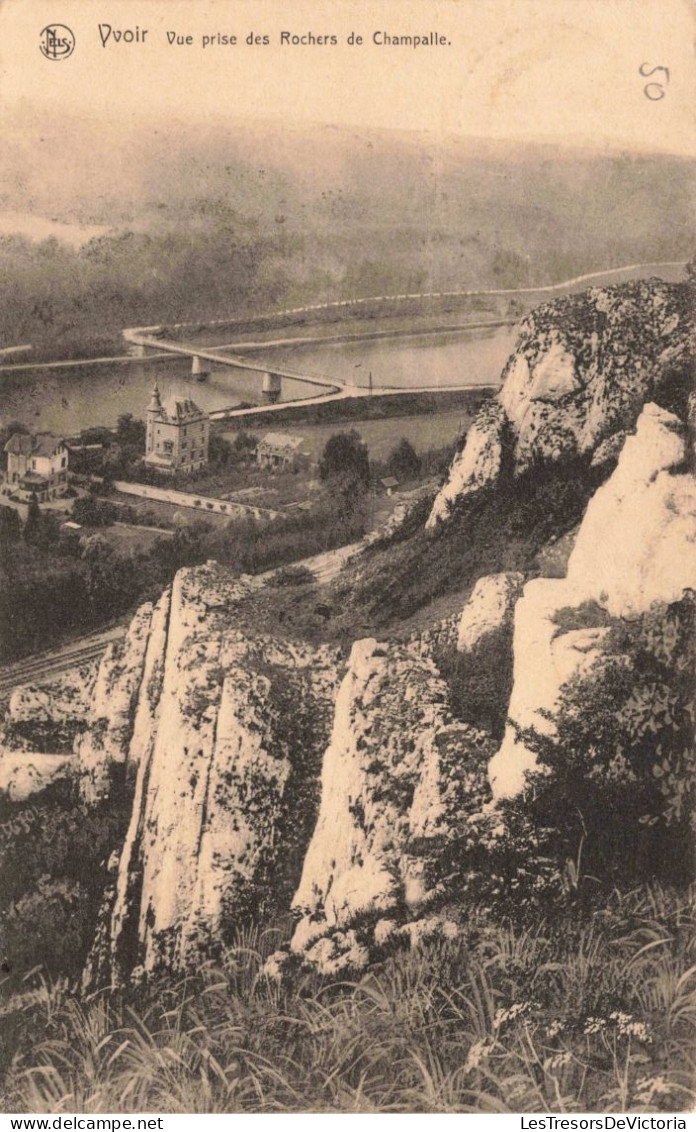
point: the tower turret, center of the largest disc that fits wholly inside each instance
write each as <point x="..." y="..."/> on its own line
<point x="155" y="405"/>
<point x="155" y="412"/>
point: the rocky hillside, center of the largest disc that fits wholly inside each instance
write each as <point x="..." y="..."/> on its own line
<point x="636" y="547"/>
<point x="364" y="789"/>
<point x="227" y="735"/>
<point x="581" y="372"/>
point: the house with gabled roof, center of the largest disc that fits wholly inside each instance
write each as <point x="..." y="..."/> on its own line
<point x="280" y="450"/>
<point x="36" y="466"/>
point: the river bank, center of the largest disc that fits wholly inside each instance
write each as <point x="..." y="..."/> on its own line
<point x="353" y="410"/>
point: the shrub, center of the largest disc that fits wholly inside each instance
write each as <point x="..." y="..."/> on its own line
<point x="53" y="854"/>
<point x="94" y="512"/>
<point x="480" y="683"/>
<point x="292" y="576"/>
<point x="614" y="797"/>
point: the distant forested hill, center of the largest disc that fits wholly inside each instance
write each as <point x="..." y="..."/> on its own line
<point x="227" y="220"/>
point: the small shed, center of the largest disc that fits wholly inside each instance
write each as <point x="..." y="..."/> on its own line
<point x="390" y="484"/>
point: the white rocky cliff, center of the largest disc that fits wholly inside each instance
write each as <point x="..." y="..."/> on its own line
<point x="393" y="779"/>
<point x="582" y="369"/>
<point x="42" y="727"/>
<point x="636" y="546"/>
<point x="227" y="737"/>
<point x="489" y="610"/>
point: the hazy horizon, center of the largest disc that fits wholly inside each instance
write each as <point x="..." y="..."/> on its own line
<point x="565" y="72"/>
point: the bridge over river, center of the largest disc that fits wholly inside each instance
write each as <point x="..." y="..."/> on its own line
<point x="333" y="388"/>
<point x="149" y="339"/>
<point x="140" y="338"/>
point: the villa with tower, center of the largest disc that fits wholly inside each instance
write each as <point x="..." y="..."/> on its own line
<point x="177" y="434"/>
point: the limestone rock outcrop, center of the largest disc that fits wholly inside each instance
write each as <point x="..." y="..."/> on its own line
<point x="393" y="779"/>
<point x="637" y="541"/>
<point x="23" y="773"/>
<point x="489" y="610"/>
<point x="227" y="735"/>
<point x="582" y="369"/>
<point x="636" y="546"/>
<point x="112" y="707"/>
<point x="263" y="770"/>
<point x="478" y="464"/>
<point x="42" y="725"/>
<point x="49" y="717"/>
<point x="357" y="786"/>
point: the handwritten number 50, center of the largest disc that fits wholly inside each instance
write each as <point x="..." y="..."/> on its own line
<point x="654" y="90"/>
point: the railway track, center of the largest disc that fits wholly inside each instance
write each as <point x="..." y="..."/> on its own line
<point x="46" y="666"/>
<point x="43" y="667"/>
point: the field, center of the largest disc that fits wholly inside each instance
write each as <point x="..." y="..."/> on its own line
<point x="126" y="538"/>
<point x="435" y="430"/>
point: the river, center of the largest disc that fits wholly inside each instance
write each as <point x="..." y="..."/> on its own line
<point x="66" y="400"/>
<point x="458" y="357"/>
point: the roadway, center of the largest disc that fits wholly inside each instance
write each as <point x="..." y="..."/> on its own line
<point x="366" y="335"/>
<point x="112" y="359"/>
<point x="338" y="304"/>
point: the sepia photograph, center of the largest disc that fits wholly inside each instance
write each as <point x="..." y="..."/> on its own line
<point x="347" y="559"/>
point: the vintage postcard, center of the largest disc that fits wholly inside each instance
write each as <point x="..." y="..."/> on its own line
<point x="347" y="560"/>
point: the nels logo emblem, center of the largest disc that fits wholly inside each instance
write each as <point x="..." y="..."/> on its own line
<point x="56" y="42"/>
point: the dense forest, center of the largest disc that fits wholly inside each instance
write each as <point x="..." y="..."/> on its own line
<point x="222" y="222"/>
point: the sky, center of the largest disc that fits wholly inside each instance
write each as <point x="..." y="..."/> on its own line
<point x="566" y="71"/>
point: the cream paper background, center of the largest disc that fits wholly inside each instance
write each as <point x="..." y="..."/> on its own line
<point x="561" y="70"/>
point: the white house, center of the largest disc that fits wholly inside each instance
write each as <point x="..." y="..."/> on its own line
<point x="37" y="466"/>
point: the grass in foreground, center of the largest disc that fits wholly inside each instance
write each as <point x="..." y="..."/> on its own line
<point x="569" y="1014"/>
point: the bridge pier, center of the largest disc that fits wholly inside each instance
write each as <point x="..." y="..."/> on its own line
<point x="200" y="369"/>
<point x="271" y="388"/>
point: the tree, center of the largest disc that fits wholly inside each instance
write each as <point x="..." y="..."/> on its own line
<point x="130" y="434"/>
<point x="404" y="462"/>
<point x="107" y="582"/>
<point x="32" y="526"/>
<point x="244" y="444"/>
<point x="345" y="456"/>
<point x="219" y="451"/>
<point x="345" y="469"/>
<point x="10" y="534"/>
<point x="6" y="433"/>
<point x="182" y="548"/>
<point x="10" y="529"/>
<point x="94" y="512"/>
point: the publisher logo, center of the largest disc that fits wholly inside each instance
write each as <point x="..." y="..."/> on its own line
<point x="57" y="42"/>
